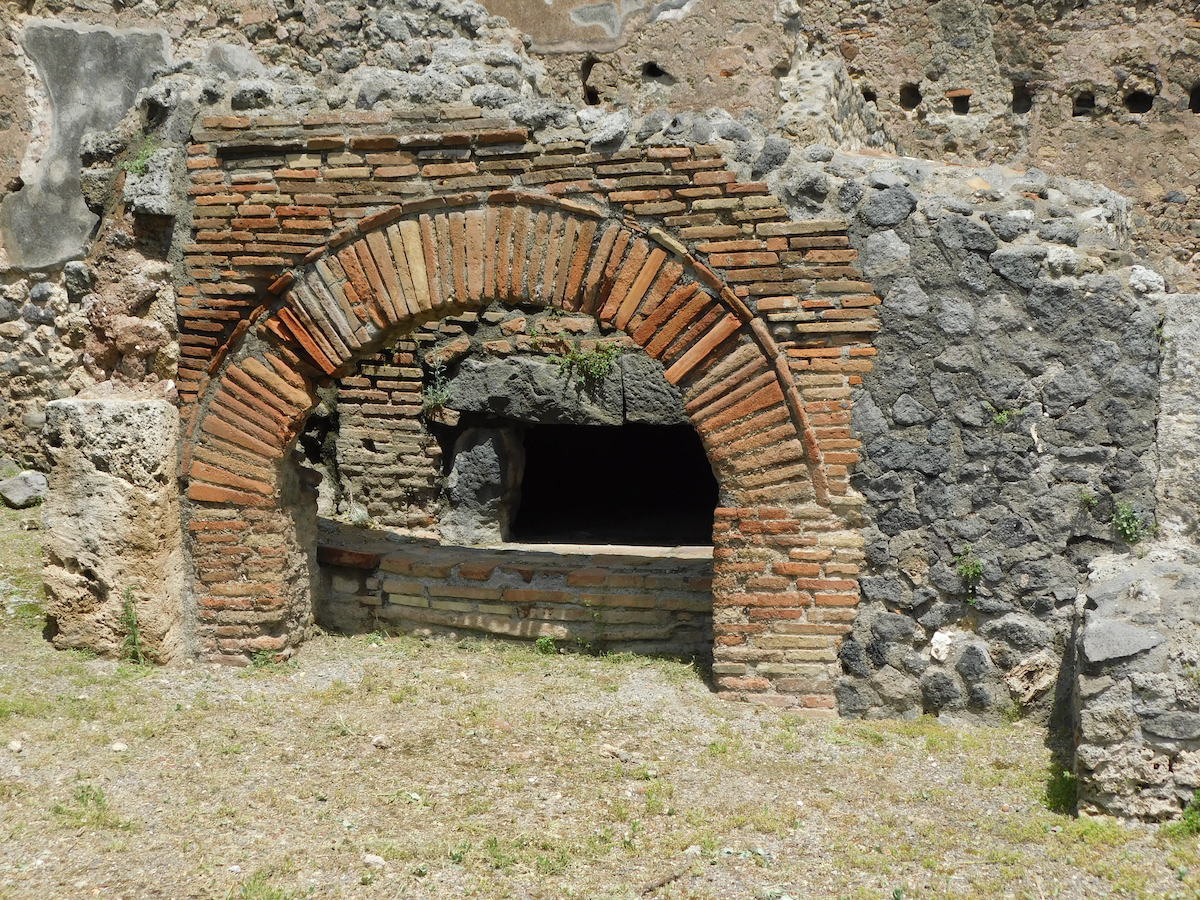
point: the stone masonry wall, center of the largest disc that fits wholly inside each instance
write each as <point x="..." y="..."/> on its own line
<point x="968" y="81"/>
<point x="1011" y="410"/>
<point x="590" y="598"/>
<point x="1137" y="686"/>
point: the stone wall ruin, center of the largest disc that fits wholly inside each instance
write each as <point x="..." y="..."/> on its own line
<point x="350" y="246"/>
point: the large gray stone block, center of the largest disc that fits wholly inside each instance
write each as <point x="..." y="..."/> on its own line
<point x="1107" y="639"/>
<point x="530" y="390"/>
<point x="24" y="490"/>
<point x="92" y="75"/>
<point x="648" y="396"/>
<point x="482" y="487"/>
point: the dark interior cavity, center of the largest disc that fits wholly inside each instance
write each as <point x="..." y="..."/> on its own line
<point x="1139" y="102"/>
<point x="629" y="484"/>
<point x="1022" y="98"/>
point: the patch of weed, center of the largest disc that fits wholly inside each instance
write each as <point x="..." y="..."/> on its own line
<point x="1129" y="525"/>
<point x="259" y="887"/>
<point x="437" y="389"/>
<point x="25" y="707"/>
<point x="138" y="162"/>
<point x="970" y="569"/>
<point x="131" y="646"/>
<point x="589" y="367"/>
<point x="89" y="809"/>
<point x="1188" y="824"/>
<point x="1062" y="792"/>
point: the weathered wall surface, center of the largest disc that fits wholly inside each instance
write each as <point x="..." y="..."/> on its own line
<point x="372" y="445"/>
<point x="1011" y="411"/>
<point x="90" y="76"/>
<point x="1179" y="418"/>
<point x="829" y="73"/>
<point x="114" y="547"/>
<point x="1137" y="694"/>
<point x="965" y="80"/>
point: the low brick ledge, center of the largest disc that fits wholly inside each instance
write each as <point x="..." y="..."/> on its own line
<point x="654" y="600"/>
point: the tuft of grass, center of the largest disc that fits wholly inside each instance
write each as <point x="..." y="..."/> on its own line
<point x="131" y="647"/>
<point x="25" y="707"/>
<point x="1062" y="792"/>
<point x="1188" y="825"/>
<point x="259" y="887"/>
<point x="544" y="645"/>
<point x="267" y="661"/>
<point x="138" y="162"/>
<point x="89" y="809"/>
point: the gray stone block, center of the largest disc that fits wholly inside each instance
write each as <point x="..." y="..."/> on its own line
<point x="648" y="396"/>
<point x="24" y="490"/>
<point x="481" y="489"/>
<point x="1105" y="639"/>
<point x="888" y="207"/>
<point x="530" y="390"/>
<point x="150" y="193"/>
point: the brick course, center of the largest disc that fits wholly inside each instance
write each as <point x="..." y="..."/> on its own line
<point x="632" y="600"/>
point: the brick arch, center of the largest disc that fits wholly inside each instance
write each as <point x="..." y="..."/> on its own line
<point x="417" y="262"/>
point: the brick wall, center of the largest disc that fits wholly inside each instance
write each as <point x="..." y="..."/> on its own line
<point x="387" y="461"/>
<point x="644" y="600"/>
<point x="320" y="241"/>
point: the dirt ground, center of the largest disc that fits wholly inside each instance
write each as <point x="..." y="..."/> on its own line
<point x="399" y="768"/>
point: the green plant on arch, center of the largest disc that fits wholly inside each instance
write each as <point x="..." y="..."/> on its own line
<point x="437" y="391"/>
<point x="589" y="367"/>
<point x="138" y="162"/>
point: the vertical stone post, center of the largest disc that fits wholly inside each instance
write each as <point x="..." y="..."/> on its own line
<point x="113" y="525"/>
<point x="1178" y="418"/>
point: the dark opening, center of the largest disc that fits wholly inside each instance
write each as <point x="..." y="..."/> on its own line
<point x="1139" y="102"/>
<point x="869" y="95"/>
<point x="652" y="71"/>
<point x="1022" y="98"/>
<point x="1194" y="99"/>
<point x="628" y="484"/>
<point x="961" y="104"/>
<point x="590" y="95"/>
<point x="1083" y="104"/>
